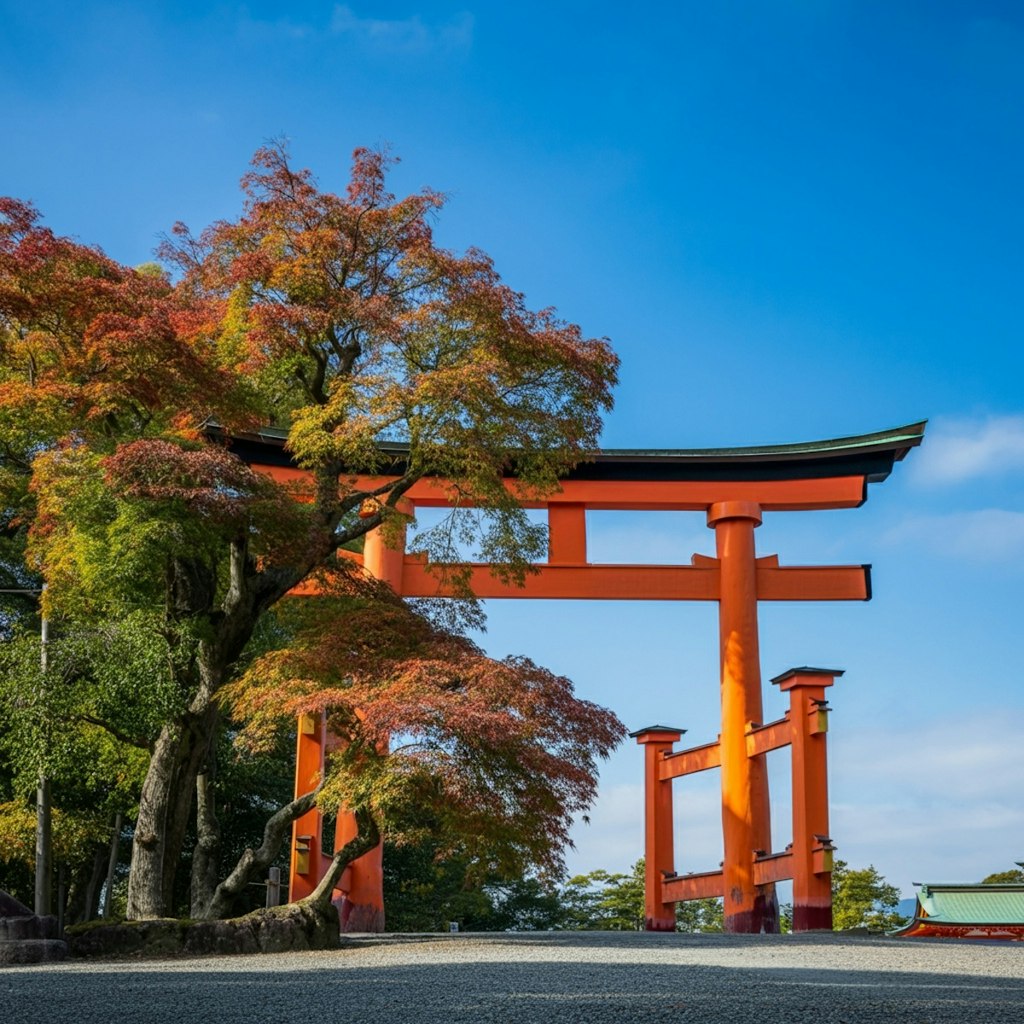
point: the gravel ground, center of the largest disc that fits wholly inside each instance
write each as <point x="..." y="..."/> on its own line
<point x="544" y="977"/>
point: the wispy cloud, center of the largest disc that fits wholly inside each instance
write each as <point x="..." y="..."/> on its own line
<point x="613" y="838"/>
<point x="973" y="759"/>
<point x="403" y="35"/>
<point x="937" y="801"/>
<point x="959" y="449"/>
<point x="984" y="535"/>
<point x="258" y="31"/>
<point x="389" y="36"/>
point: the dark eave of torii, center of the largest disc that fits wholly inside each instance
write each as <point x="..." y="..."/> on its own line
<point x="870" y="456"/>
<point x="720" y="482"/>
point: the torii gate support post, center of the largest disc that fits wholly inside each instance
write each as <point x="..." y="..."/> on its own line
<point x="746" y="812"/>
<point x="361" y="907"/>
<point x="659" y="854"/>
<point x="812" y="847"/>
<point x="307" y="831"/>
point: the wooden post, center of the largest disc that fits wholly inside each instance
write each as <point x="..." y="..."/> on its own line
<point x="567" y="534"/>
<point x="659" y="853"/>
<point x="273" y="887"/>
<point x="746" y="815"/>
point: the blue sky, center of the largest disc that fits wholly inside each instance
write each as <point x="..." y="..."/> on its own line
<point x="794" y="220"/>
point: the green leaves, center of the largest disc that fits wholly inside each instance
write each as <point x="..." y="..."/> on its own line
<point x="336" y="318"/>
<point x="861" y="898"/>
<point x="605" y="901"/>
<point x="502" y="752"/>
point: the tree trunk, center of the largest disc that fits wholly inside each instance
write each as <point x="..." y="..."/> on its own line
<point x="83" y="889"/>
<point x="254" y="863"/>
<point x="164" y="805"/>
<point x="205" y="855"/>
<point x="115" y="849"/>
<point x="183" y="746"/>
<point x="366" y="838"/>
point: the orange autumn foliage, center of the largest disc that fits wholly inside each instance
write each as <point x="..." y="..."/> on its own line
<point x="502" y="751"/>
<point x="337" y="319"/>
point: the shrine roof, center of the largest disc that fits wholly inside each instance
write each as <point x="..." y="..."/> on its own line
<point x="869" y="455"/>
<point x="972" y="904"/>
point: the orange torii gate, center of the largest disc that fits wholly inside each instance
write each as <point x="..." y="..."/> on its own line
<point x="735" y="487"/>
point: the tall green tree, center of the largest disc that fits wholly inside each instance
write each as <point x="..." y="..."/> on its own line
<point x="52" y="729"/>
<point x="1010" y="877"/>
<point x="336" y="317"/>
<point x="861" y="898"/>
<point x="605" y="901"/>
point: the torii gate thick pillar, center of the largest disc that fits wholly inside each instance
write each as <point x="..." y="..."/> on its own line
<point x="361" y="908"/>
<point x="746" y="813"/>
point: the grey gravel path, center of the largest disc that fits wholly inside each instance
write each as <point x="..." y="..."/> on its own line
<point x="541" y="977"/>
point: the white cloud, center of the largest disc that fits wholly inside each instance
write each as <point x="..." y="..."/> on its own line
<point x="984" y="535"/>
<point x="971" y="759"/>
<point x="388" y="35"/>
<point x="939" y="800"/>
<point x="955" y="450"/>
<point x="256" y="30"/>
<point x="406" y="35"/>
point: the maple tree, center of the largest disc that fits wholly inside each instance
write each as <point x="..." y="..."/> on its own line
<point x="501" y="751"/>
<point x="334" y="317"/>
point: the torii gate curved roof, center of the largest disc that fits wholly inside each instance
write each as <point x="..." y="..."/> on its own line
<point x="865" y="455"/>
<point x="828" y="474"/>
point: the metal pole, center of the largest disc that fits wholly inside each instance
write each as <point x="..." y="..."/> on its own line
<point x="44" y="812"/>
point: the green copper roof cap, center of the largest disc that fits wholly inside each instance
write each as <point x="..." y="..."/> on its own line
<point x="898" y="439"/>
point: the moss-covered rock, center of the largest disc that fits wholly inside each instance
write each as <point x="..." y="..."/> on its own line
<point x="296" y="926"/>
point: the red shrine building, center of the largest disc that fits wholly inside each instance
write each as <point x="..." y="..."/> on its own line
<point x="735" y="488"/>
<point x="965" y="911"/>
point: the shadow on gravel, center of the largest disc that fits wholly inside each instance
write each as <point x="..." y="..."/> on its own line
<point x="336" y="989"/>
<point x="677" y="940"/>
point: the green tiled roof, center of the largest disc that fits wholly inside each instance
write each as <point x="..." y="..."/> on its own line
<point x="973" y="904"/>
